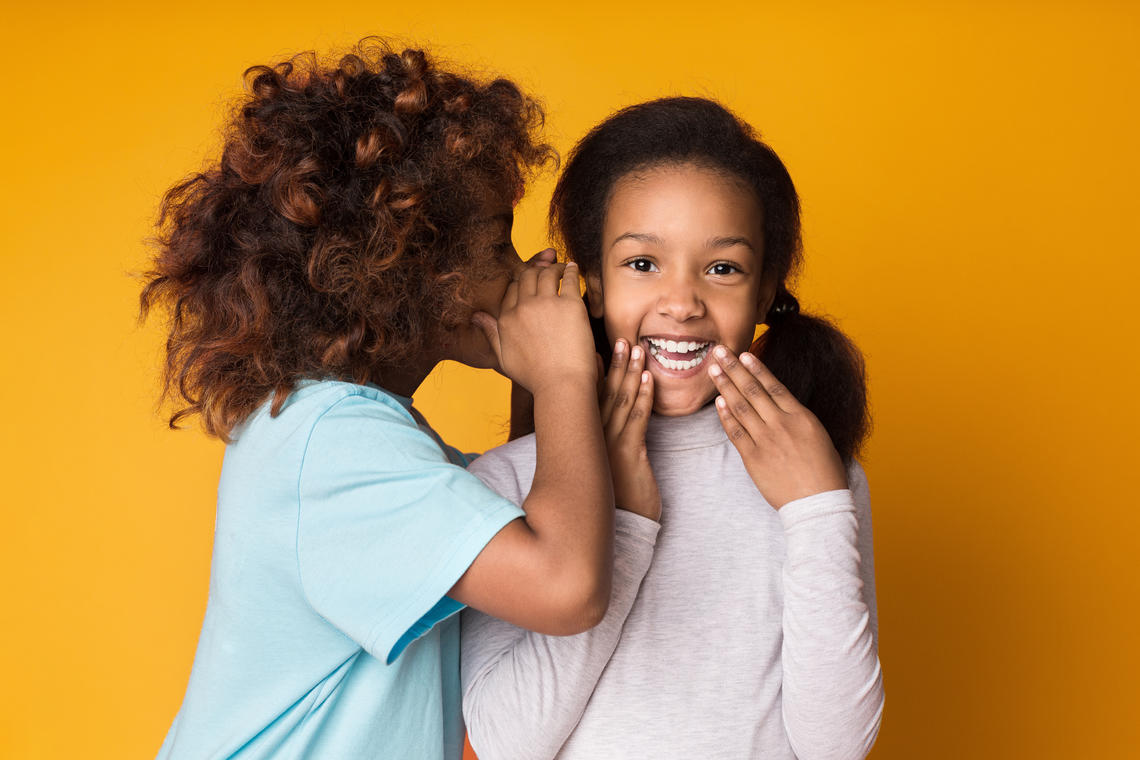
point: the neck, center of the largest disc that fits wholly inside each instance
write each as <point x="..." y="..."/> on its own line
<point x="403" y="379"/>
<point x="696" y="430"/>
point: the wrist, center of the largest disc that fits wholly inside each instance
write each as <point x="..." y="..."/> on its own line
<point x="583" y="382"/>
<point x="649" y="512"/>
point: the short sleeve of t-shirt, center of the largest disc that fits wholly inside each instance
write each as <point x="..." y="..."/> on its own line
<point x="386" y="524"/>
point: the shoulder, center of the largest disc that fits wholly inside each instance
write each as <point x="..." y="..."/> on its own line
<point x="347" y="422"/>
<point x="338" y="400"/>
<point x="313" y="400"/>
<point x="516" y="452"/>
<point x="311" y="406"/>
<point x="508" y="469"/>
<point x="860" y="491"/>
<point x="856" y="476"/>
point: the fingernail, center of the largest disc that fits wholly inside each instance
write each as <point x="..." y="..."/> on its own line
<point x="644" y="377"/>
<point x="720" y="402"/>
<point x="715" y="370"/>
<point x="619" y="346"/>
<point x="720" y="352"/>
<point x="635" y="354"/>
<point x="747" y="358"/>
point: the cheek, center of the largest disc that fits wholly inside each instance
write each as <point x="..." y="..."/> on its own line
<point x="739" y="325"/>
<point x="623" y="315"/>
<point x="619" y="326"/>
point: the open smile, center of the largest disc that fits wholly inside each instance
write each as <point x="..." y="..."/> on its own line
<point x="679" y="356"/>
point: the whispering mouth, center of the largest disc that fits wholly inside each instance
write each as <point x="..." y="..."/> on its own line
<point x="678" y="355"/>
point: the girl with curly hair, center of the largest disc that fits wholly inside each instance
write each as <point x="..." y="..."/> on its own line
<point x="355" y="232"/>
<point x="742" y="618"/>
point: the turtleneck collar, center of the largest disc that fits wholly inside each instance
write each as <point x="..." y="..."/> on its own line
<point x="698" y="430"/>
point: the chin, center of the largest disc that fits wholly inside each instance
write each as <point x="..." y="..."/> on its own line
<point x="680" y="404"/>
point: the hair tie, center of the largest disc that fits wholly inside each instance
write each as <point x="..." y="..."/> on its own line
<point x="782" y="307"/>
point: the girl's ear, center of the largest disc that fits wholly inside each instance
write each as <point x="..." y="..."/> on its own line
<point x="768" y="288"/>
<point x="594" y="295"/>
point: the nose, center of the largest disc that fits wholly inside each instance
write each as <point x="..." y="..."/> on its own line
<point x="681" y="299"/>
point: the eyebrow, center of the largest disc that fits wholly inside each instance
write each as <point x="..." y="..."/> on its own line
<point x="729" y="241"/>
<point x="641" y="237"/>
<point x="724" y="241"/>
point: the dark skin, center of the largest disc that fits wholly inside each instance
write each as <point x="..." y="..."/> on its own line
<point x="550" y="571"/>
<point x="682" y="254"/>
<point x="785" y="448"/>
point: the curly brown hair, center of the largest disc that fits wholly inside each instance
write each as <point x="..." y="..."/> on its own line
<point x="334" y="235"/>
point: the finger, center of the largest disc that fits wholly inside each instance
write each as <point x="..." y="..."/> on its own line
<point x="627" y="393"/>
<point x="510" y="297"/>
<point x="490" y="327"/>
<point x="738" y="405"/>
<point x="776" y="390"/>
<point x="638" y="421"/>
<point x="548" y="278"/>
<point x="746" y="384"/>
<point x="571" y="281"/>
<point x="528" y="280"/>
<point x="736" y="432"/>
<point x="618" y="363"/>
<point x="543" y="258"/>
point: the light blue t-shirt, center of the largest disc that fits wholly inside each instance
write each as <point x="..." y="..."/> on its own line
<point x="341" y="526"/>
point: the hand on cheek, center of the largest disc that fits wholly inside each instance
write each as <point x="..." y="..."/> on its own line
<point x="627" y="401"/>
<point x="787" y="452"/>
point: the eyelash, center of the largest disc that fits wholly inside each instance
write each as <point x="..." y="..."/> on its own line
<point x="735" y="269"/>
<point x="633" y="264"/>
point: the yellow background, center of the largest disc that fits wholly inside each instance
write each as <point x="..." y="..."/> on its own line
<point x="969" y="178"/>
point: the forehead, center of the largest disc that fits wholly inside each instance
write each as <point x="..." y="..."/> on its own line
<point x="683" y="205"/>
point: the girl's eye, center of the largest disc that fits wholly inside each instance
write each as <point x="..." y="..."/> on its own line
<point x="641" y="265"/>
<point x="723" y="268"/>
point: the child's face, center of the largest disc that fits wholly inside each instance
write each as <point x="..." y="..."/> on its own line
<point x="682" y="248"/>
<point x="491" y="242"/>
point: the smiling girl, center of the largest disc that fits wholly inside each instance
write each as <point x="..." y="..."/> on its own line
<point x="742" y="620"/>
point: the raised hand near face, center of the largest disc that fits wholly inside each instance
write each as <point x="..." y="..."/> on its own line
<point x="785" y="448"/>
<point x="627" y="400"/>
<point x="542" y="335"/>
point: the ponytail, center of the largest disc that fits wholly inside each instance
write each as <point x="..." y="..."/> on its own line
<point x="821" y="367"/>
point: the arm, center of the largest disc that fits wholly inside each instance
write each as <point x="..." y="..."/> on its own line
<point x="523" y="693"/>
<point x="550" y="572"/>
<point x="832" y="684"/>
<point x="833" y="687"/>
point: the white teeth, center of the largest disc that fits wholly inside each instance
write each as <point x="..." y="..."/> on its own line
<point x="657" y="346"/>
<point x="676" y="346"/>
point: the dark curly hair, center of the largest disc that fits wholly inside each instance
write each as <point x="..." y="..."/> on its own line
<point x="813" y="359"/>
<point x="335" y="234"/>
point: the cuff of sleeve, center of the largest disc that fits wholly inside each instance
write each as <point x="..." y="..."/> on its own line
<point x="815" y="506"/>
<point x="636" y="526"/>
<point x="395" y="633"/>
